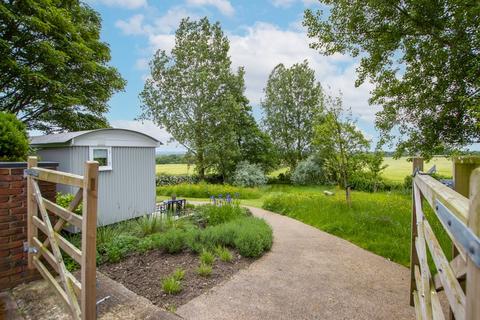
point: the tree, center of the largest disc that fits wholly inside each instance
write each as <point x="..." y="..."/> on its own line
<point x="54" y="72"/>
<point x="293" y="99"/>
<point x="423" y="57"/>
<point x="375" y="166"/>
<point x="340" y="145"/>
<point x="13" y="138"/>
<point x="196" y="97"/>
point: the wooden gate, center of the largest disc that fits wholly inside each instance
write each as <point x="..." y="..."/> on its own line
<point x="53" y="244"/>
<point x="460" y="277"/>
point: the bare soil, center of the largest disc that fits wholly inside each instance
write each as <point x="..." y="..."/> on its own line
<point x="143" y="274"/>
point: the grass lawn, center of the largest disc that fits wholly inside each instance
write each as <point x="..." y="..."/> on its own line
<point x="399" y="168"/>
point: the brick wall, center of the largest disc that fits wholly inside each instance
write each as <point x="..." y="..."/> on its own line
<point x="13" y="222"/>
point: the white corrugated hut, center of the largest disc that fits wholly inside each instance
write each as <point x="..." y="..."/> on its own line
<point x="126" y="184"/>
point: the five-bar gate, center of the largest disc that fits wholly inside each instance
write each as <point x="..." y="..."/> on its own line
<point x="460" y="277"/>
<point x="80" y="296"/>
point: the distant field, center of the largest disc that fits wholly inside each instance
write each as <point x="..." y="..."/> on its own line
<point x="399" y="168"/>
<point x="396" y="171"/>
<point x="175" y="169"/>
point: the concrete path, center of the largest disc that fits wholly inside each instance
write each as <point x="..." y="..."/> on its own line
<point x="308" y="274"/>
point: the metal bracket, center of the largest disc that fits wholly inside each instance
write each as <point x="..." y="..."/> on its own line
<point x="462" y="233"/>
<point x="28" y="249"/>
<point x="30" y="172"/>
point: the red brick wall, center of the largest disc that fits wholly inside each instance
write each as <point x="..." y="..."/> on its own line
<point x="13" y="223"/>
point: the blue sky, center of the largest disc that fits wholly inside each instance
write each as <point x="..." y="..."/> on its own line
<point x="262" y="34"/>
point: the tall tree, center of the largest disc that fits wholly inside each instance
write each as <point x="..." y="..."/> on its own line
<point x="340" y="145"/>
<point x="293" y="99"/>
<point x="54" y="72"/>
<point x="196" y="97"/>
<point x="423" y="57"/>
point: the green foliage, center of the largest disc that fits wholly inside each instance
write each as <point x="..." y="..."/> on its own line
<point x="170" y="158"/>
<point x="167" y="180"/>
<point x="366" y="181"/>
<point x="378" y="222"/>
<point x="171" y="285"/>
<point x="149" y="224"/>
<point x="13" y="138"/>
<point x="64" y="199"/>
<point x="420" y="56"/>
<point x="106" y="235"/>
<point x="211" y="94"/>
<point x="223" y="254"/>
<point x="293" y="100"/>
<point x="120" y="247"/>
<point x="206" y="257"/>
<point x="339" y="144"/>
<point x="178" y="274"/>
<point x="308" y="172"/>
<point x="54" y="71"/>
<point x="173" y="240"/>
<point x="214" y="215"/>
<point x="249" y="175"/>
<point x="204" y="190"/>
<point x="253" y="237"/>
<point x="204" y="270"/>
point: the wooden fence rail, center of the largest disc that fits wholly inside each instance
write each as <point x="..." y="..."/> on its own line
<point x="80" y="296"/>
<point x="459" y="278"/>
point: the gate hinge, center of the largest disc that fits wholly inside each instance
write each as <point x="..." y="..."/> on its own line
<point x="28" y="249"/>
<point x="30" y="172"/>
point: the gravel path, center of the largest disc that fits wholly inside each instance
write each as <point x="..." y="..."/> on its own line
<point x="308" y="274"/>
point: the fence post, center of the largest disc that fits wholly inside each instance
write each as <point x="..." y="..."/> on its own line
<point x="89" y="235"/>
<point x="32" y="211"/>
<point x="417" y="164"/>
<point x="461" y="171"/>
<point x="473" y="272"/>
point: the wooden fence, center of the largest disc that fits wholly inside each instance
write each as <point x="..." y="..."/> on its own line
<point x="459" y="215"/>
<point x="49" y="247"/>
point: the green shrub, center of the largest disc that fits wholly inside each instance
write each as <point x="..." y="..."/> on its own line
<point x="171" y="285"/>
<point x="168" y="180"/>
<point x="119" y="248"/>
<point x="223" y="254"/>
<point x="13" y="138"/>
<point x="148" y="224"/>
<point x="204" y="270"/>
<point x="253" y="237"/>
<point x="64" y="199"/>
<point x="364" y="181"/>
<point x="207" y="258"/>
<point x="173" y="241"/>
<point x="308" y="172"/>
<point x="106" y="235"/>
<point x="205" y="190"/>
<point x="249" y="175"/>
<point x="178" y="274"/>
<point x="214" y="215"/>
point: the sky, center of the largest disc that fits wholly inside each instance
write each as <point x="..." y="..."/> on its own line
<point x="262" y="34"/>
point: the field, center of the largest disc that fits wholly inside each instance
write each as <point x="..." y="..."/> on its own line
<point x="399" y="168"/>
<point x="396" y="171"/>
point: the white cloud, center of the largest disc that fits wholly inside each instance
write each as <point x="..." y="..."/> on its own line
<point x="128" y="4"/>
<point x="264" y="46"/>
<point x="224" y="6"/>
<point x="149" y="128"/>
<point x="283" y="3"/>
<point x="132" y="26"/>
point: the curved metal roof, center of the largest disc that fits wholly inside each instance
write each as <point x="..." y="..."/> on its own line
<point x="67" y="137"/>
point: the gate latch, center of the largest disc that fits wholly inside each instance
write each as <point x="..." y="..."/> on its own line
<point x="28" y="249"/>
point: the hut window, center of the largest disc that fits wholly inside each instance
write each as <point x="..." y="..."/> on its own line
<point x="103" y="155"/>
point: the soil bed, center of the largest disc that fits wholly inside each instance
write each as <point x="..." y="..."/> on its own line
<point x="143" y="273"/>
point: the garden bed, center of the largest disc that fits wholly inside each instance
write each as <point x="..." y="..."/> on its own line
<point x="143" y="274"/>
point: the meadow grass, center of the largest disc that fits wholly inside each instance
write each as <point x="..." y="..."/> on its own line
<point x="205" y="190"/>
<point x="378" y="222"/>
